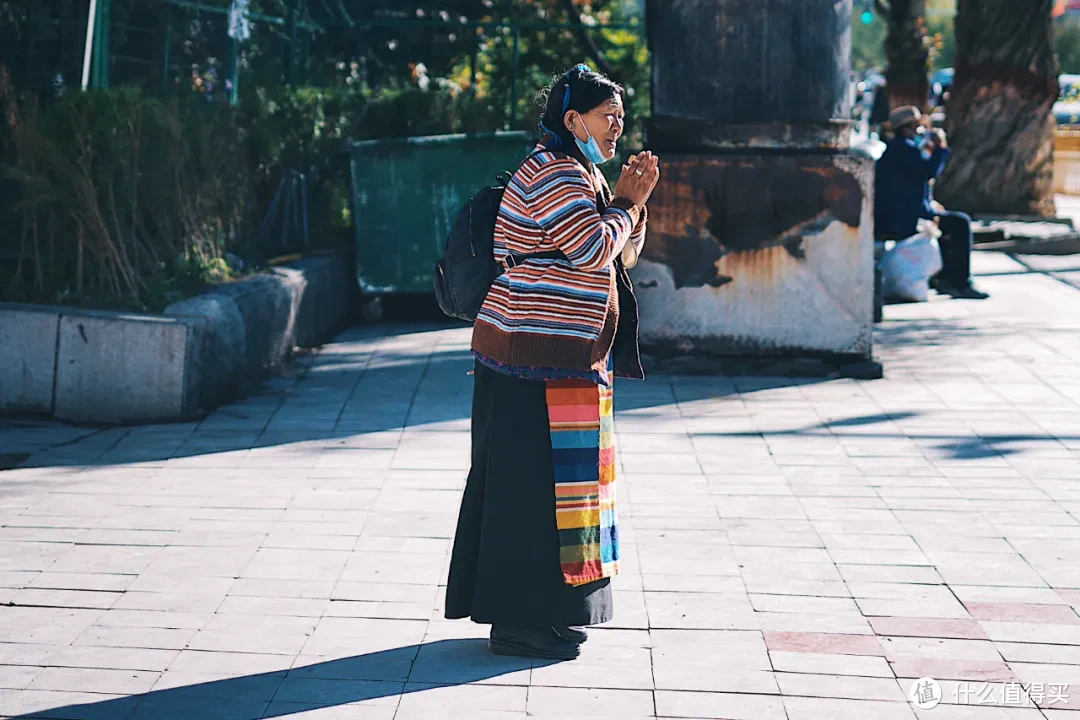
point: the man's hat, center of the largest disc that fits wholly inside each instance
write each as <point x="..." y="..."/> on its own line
<point x="907" y="115"/>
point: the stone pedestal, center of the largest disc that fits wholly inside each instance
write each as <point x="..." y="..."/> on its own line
<point x="761" y="229"/>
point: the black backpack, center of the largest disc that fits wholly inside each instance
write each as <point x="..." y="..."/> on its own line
<point x="464" y="274"/>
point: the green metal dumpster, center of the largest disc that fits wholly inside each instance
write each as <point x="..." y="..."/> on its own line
<point x="406" y="194"/>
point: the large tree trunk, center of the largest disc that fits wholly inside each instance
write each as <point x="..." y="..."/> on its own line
<point x="999" y="115"/>
<point x="907" y="52"/>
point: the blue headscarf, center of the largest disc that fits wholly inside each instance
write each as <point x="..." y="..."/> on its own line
<point x="555" y="139"/>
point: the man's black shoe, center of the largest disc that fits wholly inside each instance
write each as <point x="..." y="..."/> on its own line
<point x="572" y="634"/>
<point x="531" y="642"/>
<point x="967" y="292"/>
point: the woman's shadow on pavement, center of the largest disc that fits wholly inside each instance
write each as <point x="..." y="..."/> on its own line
<point x="376" y="678"/>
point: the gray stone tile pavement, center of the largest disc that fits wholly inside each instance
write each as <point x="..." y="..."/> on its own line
<point x="794" y="549"/>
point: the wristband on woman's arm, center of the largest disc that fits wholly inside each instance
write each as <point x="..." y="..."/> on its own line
<point x="629" y="207"/>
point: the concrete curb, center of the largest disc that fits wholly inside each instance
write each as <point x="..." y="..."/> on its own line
<point x="112" y="367"/>
<point x="28" y="342"/>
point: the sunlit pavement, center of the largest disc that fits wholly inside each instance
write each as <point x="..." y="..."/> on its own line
<point x="792" y="549"/>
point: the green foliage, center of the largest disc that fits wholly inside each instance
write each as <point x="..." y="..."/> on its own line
<point x="122" y="200"/>
<point x="129" y="201"/>
<point x="546" y="53"/>
<point x="868" y="51"/>
<point x="868" y="42"/>
<point x="1067" y="44"/>
<point x="943" y="37"/>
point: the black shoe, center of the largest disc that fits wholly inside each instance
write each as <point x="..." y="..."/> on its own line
<point x="531" y="642"/>
<point x="967" y="292"/>
<point x="572" y="634"/>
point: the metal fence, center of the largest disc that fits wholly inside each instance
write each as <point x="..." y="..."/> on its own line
<point x="155" y="44"/>
<point x="201" y="44"/>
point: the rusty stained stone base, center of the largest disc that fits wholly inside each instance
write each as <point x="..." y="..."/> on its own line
<point x="759" y="255"/>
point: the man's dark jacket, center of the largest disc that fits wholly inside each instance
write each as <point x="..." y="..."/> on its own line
<point x="902" y="186"/>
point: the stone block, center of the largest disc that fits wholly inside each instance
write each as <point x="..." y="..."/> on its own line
<point x="254" y="324"/>
<point x="27" y="357"/>
<point x="112" y="367"/>
<point x="115" y="367"/>
<point x="219" y="356"/>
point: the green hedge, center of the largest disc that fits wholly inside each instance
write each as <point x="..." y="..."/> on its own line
<point x="116" y="199"/>
<point x="120" y="200"/>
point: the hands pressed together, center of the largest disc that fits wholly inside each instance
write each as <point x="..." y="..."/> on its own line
<point x="639" y="177"/>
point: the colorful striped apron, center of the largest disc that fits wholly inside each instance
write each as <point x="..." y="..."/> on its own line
<point x="583" y="454"/>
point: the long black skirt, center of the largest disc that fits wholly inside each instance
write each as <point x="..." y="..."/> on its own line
<point x="505" y="563"/>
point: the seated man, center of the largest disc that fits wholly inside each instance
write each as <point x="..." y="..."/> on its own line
<point x="913" y="157"/>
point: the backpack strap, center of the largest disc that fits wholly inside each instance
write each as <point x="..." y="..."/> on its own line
<point x="505" y="176"/>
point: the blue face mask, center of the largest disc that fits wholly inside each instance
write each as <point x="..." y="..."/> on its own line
<point x="591" y="150"/>
<point x="922" y="142"/>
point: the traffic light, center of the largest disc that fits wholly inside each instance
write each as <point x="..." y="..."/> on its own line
<point x="867" y="16"/>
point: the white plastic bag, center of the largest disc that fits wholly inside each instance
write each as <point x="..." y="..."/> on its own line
<point x="907" y="268"/>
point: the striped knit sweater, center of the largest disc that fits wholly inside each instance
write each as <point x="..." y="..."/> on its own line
<point x="549" y="319"/>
